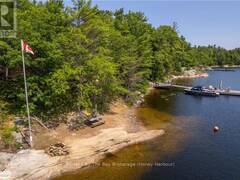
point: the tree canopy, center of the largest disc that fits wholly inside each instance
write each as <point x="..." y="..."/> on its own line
<point x="86" y="57"/>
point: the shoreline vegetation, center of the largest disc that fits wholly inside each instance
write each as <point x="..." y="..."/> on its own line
<point x="86" y="146"/>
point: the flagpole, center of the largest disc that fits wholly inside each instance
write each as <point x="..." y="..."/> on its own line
<point x="26" y="94"/>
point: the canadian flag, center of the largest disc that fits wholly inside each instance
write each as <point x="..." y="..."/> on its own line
<point x="26" y="47"/>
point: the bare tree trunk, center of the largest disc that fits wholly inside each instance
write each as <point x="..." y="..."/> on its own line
<point x="6" y="70"/>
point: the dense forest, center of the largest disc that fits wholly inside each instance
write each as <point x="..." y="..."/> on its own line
<point x="85" y="57"/>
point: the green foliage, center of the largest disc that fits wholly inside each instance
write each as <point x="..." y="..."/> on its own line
<point x="6" y="136"/>
<point x="102" y="83"/>
<point x="6" y="129"/>
<point x="85" y="57"/>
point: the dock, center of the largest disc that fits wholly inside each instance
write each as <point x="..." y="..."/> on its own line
<point x="170" y="86"/>
<point x="222" y="69"/>
<point x="226" y="92"/>
<point x="229" y="92"/>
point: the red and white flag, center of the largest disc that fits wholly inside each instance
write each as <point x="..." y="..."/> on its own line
<point x="26" y="47"/>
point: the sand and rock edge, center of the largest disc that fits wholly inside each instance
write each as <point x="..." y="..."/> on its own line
<point x="121" y="131"/>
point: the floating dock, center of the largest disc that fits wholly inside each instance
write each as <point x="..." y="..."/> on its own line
<point x="227" y="92"/>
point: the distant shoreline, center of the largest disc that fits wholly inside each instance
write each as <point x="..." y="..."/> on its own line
<point x="189" y="74"/>
<point x="198" y="72"/>
<point x="226" y="66"/>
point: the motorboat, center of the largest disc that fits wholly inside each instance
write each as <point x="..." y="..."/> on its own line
<point x="202" y="91"/>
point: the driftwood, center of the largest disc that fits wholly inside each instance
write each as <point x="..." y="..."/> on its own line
<point x="25" y="138"/>
<point x="27" y="129"/>
<point x="40" y="122"/>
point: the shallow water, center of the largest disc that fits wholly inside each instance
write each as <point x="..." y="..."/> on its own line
<point x="189" y="149"/>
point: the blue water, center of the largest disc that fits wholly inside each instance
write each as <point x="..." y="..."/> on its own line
<point x="189" y="142"/>
<point x="206" y="155"/>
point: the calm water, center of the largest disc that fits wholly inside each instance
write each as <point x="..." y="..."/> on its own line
<point x="190" y="147"/>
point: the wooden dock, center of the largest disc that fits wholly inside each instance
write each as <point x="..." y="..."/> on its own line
<point x="170" y="86"/>
<point x="227" y="92"/>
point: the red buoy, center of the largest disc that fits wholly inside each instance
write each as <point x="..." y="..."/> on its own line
<point x="216" y="129"/>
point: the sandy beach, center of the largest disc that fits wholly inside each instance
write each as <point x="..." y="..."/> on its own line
<point x="87" y="146"/>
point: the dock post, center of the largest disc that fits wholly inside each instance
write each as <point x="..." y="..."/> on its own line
<point x="221" y="85"/>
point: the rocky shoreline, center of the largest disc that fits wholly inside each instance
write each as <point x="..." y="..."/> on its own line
<point x="85" y="151"/>
<point x="189" y="74"/>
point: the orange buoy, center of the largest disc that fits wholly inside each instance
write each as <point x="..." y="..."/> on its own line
<point x="215" y="128"/>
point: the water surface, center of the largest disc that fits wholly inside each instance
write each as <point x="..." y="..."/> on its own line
<point x="189" y="148"/>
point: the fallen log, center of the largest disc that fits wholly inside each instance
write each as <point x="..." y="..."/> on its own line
<point x="40" y="122"/>
<point x="25" y="138"/>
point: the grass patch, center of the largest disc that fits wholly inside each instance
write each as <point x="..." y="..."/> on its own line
<point x="7" y="127"/>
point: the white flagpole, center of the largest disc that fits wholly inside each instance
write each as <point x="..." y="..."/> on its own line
<point x="26" y="94"/>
